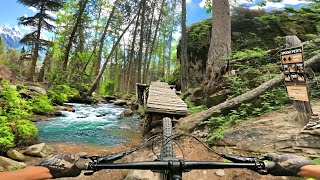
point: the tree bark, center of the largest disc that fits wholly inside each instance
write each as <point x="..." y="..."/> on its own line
<point x="191" y="122"/>
<point x="184" y="55"/>
<point x="103" y="37"/>
<point x="132" y="51"/>
<point x="95" y="43"/>
<point x="114" y="47"/>
<point x="32" y="69"/>
<point x="220" y="47"/>
<point x="45" y="63"/>
<point x="154" y="40"/>
<point x="141" y="41"/>
<point x="82" y="7"/>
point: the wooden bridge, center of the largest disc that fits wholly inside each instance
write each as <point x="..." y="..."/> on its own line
<point x="159" y="101"/>
<point x="163" y="99"/>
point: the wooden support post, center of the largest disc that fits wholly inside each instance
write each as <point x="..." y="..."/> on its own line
<point x="303" y="108"/>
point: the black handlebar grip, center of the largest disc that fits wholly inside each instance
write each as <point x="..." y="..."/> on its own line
<point x="82" y="165"/>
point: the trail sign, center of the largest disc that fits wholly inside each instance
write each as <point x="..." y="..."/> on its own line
<point x="294" y="74"/>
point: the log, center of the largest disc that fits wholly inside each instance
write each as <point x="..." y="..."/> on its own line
<point x="190" y="122"/>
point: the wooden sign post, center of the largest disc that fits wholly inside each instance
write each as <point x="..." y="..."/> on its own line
<point x="295" y="78"/>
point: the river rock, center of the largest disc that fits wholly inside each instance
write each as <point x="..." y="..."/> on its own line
<point x="57" y="113"/>
<point x="65" y="108"/>
<point x="124" y="126"/>
<point x="16" y="155"/>
<point x="109" y="98"/>
<point x="142" y="175"/>
<point x="120" y="102"/>
<point x="37" y="89"/>
<point x="220" y="172"/>
<point x="126" y="113"/>
<point x="9" y="163"/>
<point x="133" y="106"/>
<point x="39" y="150"/>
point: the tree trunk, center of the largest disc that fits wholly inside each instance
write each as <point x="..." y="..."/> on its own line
<point x="103" y="37"/>
<point x="32" y="69"/>
<point x="114" y="47"/>
<point x="146" y="67"/>
<point x="95" y="43"/>
<point x="184" y="55"/>
<point x="141" y="41"/>
<point x="45" y="63"/>
<point x="82" y="7"/>
<point x="190" y="122"/>
<point x="154" y="38"/>
<point x="220" y="47"/>
<point x="131" y="59"/>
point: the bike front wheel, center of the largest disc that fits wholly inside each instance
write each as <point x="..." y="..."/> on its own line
<point x="167" y="145"/>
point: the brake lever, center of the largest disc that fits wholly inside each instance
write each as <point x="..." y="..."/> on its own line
<point x="106" y="159"/>
<point x="260" y="166"/>
<point x="239" y="159"/>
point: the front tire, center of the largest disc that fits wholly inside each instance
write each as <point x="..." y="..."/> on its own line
<point x="167" y="145"/>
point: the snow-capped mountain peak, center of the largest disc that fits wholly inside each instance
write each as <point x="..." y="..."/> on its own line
<point x="11" y="35"/>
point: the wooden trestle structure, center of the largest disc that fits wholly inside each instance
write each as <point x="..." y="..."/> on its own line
<point x="159" y="101"/>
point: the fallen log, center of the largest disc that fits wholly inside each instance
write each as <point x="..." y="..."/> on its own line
<point x="190" y="122"/>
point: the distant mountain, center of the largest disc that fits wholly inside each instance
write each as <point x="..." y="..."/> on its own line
<point x="11" y="36"/>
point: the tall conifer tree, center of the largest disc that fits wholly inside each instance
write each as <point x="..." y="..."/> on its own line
<point x="40" y="21"/>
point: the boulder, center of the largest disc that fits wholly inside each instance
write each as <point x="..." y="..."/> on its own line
<point x="39" y="150"/>
<point x="124" y="126"/>
<point x="109" y="98"/>
<point x="65" y="108"/>
<point x="37" y="89"/>
<point x="133" y="106"/>
<point x="37" y="118"/>
<point x="8" y="164"/>
<point x="57" y="113"/>
<point x="1" y="169"/>
<point x="126" y="113"/>
<point x="16" y="155"/>
<point x="120" y="102"/>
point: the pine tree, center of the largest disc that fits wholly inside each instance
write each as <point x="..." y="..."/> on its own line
<point x="39" y="21"/>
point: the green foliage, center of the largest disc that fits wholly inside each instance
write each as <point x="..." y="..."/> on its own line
<point x="25" y="130"/>
<point x="6" y="137"/>
<point x="250" y="54"/>
<point x="13" y="110"/>
<point x="192" y="109"/>
<point x="175" y="77"/>
<point x="14" y="168"/>
<point x="317" y="161"/>
<point x="270" y="101"/>
<point x="60" y="94"/>
<point x="13" y="106"/>
<point x="41" y="104"/>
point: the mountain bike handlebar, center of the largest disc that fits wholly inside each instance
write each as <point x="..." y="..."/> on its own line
<point x="173" y="164"/>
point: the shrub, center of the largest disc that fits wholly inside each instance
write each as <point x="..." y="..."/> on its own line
<point x="12" y="105"/>
<point x="41" y="104"/>
<point x="26" y="130"/>
<point x="62" y="93"/>
<point x="6" y="137"/>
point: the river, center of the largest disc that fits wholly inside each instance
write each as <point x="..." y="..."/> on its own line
<point x="93" y="125"/>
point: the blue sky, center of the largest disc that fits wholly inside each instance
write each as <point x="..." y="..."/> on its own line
<point x="11" y="10"/>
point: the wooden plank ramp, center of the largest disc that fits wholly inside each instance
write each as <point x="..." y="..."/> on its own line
<point x="162" y="99"/>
